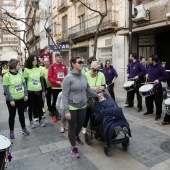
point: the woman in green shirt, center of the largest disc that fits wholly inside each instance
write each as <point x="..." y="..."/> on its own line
<point x="16" y="93"/>
<point x="97" y="82"/>
<point x="35" y="85"/>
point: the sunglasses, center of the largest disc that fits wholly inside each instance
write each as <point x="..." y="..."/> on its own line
<point x="108" y="63"/>
<point x="80" y="62"/>
<point x="95" y="70"/>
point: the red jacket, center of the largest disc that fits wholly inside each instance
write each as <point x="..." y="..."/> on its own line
<point x="56" y="72"/>
<point x="43" y="55"/>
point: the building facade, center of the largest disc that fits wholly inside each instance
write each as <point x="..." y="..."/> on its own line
<point x="9" y="44"/>
<point x="75" y="26"/>
<point x="151" y="29"/>
<point x="32" y="15"/>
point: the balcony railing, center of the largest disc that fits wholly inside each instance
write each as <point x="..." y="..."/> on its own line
<point x="90" y="26"/>
<point x="62" y="4"/>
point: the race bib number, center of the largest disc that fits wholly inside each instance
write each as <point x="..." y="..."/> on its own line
<point x="35" y="83"/>
<point x="19" y="89"/>
<point x="60" y="75"/>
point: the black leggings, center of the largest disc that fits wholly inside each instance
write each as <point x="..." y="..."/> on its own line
<point x="75" y="124"/>
<point x="19" y="104"/>
<point x="48" y="99"/>
<point x="35" y="103"/>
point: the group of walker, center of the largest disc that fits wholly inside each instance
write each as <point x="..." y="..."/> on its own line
<point x="74" y="90"/>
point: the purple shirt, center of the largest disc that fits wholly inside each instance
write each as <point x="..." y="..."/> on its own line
<point x="136" y="69"/>
<point x="157" y="72"/>
<point x="109" y="73"/>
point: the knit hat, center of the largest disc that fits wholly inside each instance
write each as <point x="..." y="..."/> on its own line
<point x="95" y="65"/>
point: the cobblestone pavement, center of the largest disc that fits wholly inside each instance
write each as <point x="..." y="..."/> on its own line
<point x="47" y="149"/>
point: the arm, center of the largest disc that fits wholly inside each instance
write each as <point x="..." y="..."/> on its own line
<point x="7" y="93"/>
<point x="50" y="76"/>
<point x="65" y="93"/>
<point x="42" y="83"/>
<point x="25" y="89"/>
<point x="142" y="70"/>
<point x="115" y="75"/>
<point x="164" y="75"/>
<point x="91" y="92"/>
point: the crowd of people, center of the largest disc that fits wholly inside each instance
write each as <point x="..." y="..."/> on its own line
<point x="69" y="94"/>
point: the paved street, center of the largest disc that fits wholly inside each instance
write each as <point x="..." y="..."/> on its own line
<point x="47" y="149"/>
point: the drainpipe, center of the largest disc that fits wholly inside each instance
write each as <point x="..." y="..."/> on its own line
<point x="130" y="27"/>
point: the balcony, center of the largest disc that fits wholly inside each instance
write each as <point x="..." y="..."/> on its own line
<point x="90" y="26"/>
<point x="62" y="4"/>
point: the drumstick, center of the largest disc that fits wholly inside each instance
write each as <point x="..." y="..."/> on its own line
<point x="148" y="83"/>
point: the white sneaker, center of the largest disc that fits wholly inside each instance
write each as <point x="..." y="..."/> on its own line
<point x="36" y="119"/>
<point x="43" y="117"/>
<point x="83" y="130"/>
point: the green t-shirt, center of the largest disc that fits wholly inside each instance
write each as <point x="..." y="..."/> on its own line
<point x="45" y="75"/>
<point x="33" y="75"/>
<point x="75" y="108"/>
<point x="15" y="85"/>
<point x="99" y="80"/>
<point x="5" y="71"/>
<point x="84" y="70"/>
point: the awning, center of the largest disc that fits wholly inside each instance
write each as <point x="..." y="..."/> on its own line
<point x="154" y="28"/>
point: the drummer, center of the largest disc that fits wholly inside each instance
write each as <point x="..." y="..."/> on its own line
<point x="136" y="71"/>
<point x="155" y="74"/>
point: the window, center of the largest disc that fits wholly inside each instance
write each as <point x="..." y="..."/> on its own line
<point x="64" y="27"/>
<point x="82" y="22"/>
<point x="146" y="45"/>
<point x="55" y="28"/>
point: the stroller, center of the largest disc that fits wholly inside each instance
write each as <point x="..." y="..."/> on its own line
<point x="106" y="123"/>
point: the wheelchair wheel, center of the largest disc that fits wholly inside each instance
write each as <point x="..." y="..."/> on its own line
<point x="125" y="144"/>
<point x="107" y="150"/>
<point x="87" y="138"/>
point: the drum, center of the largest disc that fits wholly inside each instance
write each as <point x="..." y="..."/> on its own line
<point x="167" y="106"/>
<point x="129" y="85"/>
<point x="146" y="90"/>
<point x="5" y="144"/>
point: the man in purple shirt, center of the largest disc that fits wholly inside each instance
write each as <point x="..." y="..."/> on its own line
<point x="136" y="71"/>
<point x="156" y="74"/>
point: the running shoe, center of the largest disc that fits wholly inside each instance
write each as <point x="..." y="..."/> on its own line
<point x="83" y="130"/>
<point x="25" y="132"/>
<point x="32" y="125"/>
<point x="42" y="124"/>
<point x="54" y="119"/>
<point x="36" y="119"/>
<point x="75" y="153"/>
<point x="79" y="141"/>
<point x="11" y="135"/>
<point x="43" y="117"/>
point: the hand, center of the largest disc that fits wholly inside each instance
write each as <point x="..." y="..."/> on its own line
<point x="113" y="80"/>
<point x="68" y="116"/>
<point x="136" y="77"/>
<point x="43" y="94"/>
<point x="25" y="98"/>
<point x="146" y="76"/>
<point x="59" y="82"/>
<point x="156" y="81"/>
<point x="12" y="103"/>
